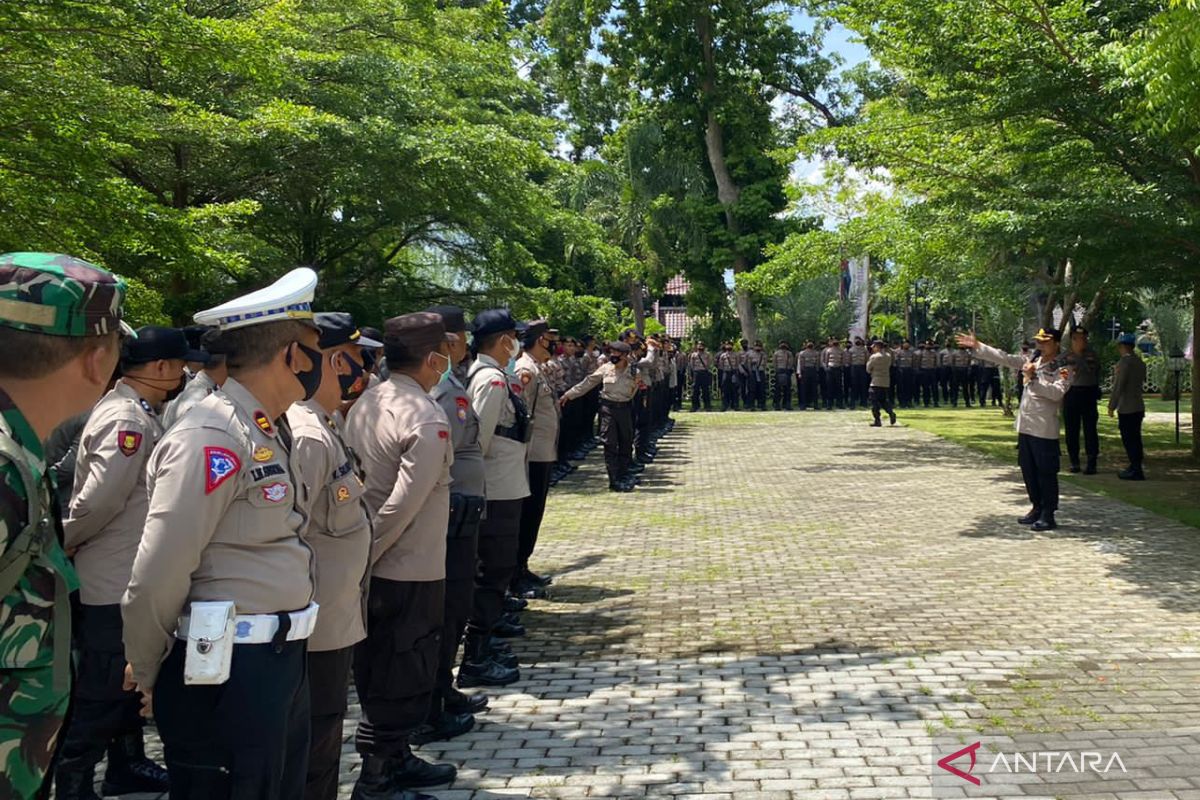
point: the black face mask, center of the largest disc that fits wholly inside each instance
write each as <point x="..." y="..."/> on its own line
<point x="310" y="379"/>
<point x="368" y="357"/>
<point x="178" y="390"/>
<point x="614" y="359"/>
<point x="354" y="384"/>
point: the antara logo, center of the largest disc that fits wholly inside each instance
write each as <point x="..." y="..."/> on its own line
<point x="1037" y="761"/>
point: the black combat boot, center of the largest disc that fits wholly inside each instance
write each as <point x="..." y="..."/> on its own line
<point x="1031" y="517"/>
<point x="1090" y="469"/>
<point x="74" y="781"/>
<point x="441" y="724"/>
<point x="509" y="627"/>
<point x="409" y="771"/>
<point x="375" y="783"/>
<point x="478" y="668"/>
<point x="458" y="703"/>
<point x="129" y="771"/>
<point x="1045" y="522"/>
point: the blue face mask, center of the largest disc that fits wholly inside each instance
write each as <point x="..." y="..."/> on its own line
<point x="445" y="376"/>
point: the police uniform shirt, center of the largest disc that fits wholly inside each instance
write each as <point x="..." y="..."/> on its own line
<point x="756" y="361"/>
<point x="109" y="501"/>
<point x="616" y="385"/>
<point x="858" y="355"/>
<point x="222" y="526"/>
<point x="198" y="388"/>
<point x="543" y="409"/>
<point x="903" y="359"/>
<point x="782" y="358"/>
<point x="1086" y="367"/>
<point x="700" y="362"/>
<point x="847" y="357"/>
<point x="727" y="361"/>
<point x="403" y="439"/>
<point x="808" y="359"/>
<point x="467" y="472"/>
<point x="1043" y="396"/>
<point x="338" y="528"/>
<point x="831" y="357"/>
<point x="960" y="359"/>
<point x="927" y="359"/>
<point x="503" y="458"/>
<point x="879" y="367"/>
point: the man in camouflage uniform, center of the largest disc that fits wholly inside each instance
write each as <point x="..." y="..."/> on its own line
<point x="59" y="323"/>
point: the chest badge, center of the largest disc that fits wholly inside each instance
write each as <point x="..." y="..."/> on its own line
<point x="129" y="442"/>
<point x="263" y="423"/>
<point x="220" y="464"/>
<point x="263" y="454"/>
<point x="145" y="404"/>
<point x="343" y="494"/>
<point x="275" y="492"/>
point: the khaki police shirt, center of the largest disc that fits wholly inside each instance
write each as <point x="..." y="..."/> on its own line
<point x="927" y="360"/>
<point x="467" y="472"/>
<point x="109" y="502"/>
<point x="727" y="361"/>
<point x="700" y="362"/>
<point x="198" y="388"/>
<point x="403" y="439"/>
<point x="1128" y="376"/>
<point x="543" y="409"/>
<point x="222" y="525"/>
<point x="1043" y="396"/>
<point x="338" y="529"/>
<point x="903" y="359"/>
<point x="503" y="458"/>
<point x="879" y="367"/>
<point x="808" y="359"/>
<point x="831" y="357"/>
<point x="755" y="361"/>
<point x="1086" y="367"/>
<point x="782" y="358"/>
<point x="616" y="385"/>
<point x="858" y="355"/>
<point x="960" y="359"/>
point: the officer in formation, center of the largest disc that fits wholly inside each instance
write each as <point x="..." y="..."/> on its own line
<point x="927" y="364"/>
<point x="904" y="361"/>
<point x="700" y="365"/>
<point x="859" y="382"/>
<point x="1080" y="409"/>
<point x="783" y="361"/>
<point x="808" y="376"/>
<point x="1047" y="380"/>
<point x="729" y="366"/>
<point x="832" y="358"/>
<point x="540" y="386"/>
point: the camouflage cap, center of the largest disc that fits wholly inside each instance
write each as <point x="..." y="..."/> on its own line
<point x="59" y="295"/>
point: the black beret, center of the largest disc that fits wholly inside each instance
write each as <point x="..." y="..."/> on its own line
<point x="413" y="335"/>
<point x="493" y="320"/>
<point x="452" y="317"/>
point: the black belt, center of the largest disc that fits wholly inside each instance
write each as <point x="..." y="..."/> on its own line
<point x="615" y="403"/>
<point x="509" y="432"/>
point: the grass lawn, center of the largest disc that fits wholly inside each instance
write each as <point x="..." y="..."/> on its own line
<point x="1173" y="485"/>
<point x="1155" y="404"/>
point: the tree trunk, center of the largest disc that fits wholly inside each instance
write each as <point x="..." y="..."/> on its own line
<point x="728" y="192"/>
<point x="634" y="288"/>
<point x="1093" y="308"/>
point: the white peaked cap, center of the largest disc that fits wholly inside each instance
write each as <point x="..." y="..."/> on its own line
<point x="290" y="297"/>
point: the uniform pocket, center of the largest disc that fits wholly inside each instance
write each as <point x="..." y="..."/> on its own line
<point x="345" y="508"/>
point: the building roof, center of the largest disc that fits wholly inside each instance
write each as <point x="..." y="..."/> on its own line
<point x="678" y="285"/>
<point x="676" y="321"/>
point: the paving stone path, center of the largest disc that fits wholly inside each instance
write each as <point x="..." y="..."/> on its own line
<point x="792" y="605"/>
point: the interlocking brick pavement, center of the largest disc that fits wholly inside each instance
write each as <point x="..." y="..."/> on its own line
<point x="792" y="605"/>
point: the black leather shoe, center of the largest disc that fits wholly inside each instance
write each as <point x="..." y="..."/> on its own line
<point x="487" y="673"/>
<point x="528" y="591"/>
<point x="637" y="466"/>
<point x="619" y="487"/>
<point x="1090" y="469"/>
<point x="1074" y="468"/>
<point x="540" y="580"/>
<point x="74" y="782"/>
<point x="512" y="603"/>
<point x="129" y="771"/>
<point x="1131" y="474"/>
<point x="375" y="783"/>
<point x="446" y="726"/>
<point x="507" y="629"/>
<point x="1045" y="523"/>
<point x="412" y="772"/>
<point x="1031" y="517"/>
<point x="458" y="703"/>
<point x="876" y="424"/>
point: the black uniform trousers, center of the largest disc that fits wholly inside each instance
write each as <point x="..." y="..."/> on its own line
<point x="929" y="386"/>
<point x="833" y="387"/>
<point x="328" y="684"/>
<point x="102" y="709"/>
<point x="907" y="379"/>
<point x="757" y="386"/>
<point x="729" y="389"/>
<point x="808" y="381"/>
<point x="533" y="508"/>
<point x="677" y="392"/>
<point x="642" y="423"/>
<point x="1039" y="460"/>
<point x="1130" y="426"/>
<point x="989" y="381"/>
<point x="960" y="385"/>
<point x="395" y="667"/>
<point x="861" y="384"/>
<point x="245" y="739"/>
<point x="568" y="430"/>
<point x="701" y="390"/>
<point x="781" y="393"/>
<point x="944" y="380"/>
<point x="462" y="548"/>
<point x="1080" y="410"/>
<point x="499" y="537"/>
<point x="616" y="429"/>
<point x="881" y="398"/>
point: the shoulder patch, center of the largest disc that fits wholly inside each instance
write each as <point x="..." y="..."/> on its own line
<point x="263" y="423"/>
<point x="344" y="469"/>
<point x="461" y="413"/>
<point x="275" y="492"/>
<point x="129" y="442"/>
<point x="443" y="433"/>
<point x="497" y="383"/>
<point x="462" y="402"/>
<point x="220" y="465"/>
<point x="263" y="454"/>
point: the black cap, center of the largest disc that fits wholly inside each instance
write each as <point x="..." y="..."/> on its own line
<point x="452" y="317"/>
<point x="493" y="320"/>
<point x="195" y="335"/>
<point x="1046" y="334"/>
<point x="620" y="347"/>
<point x="155" y="342"/>
<point x="532" y="331"/>
<point x="338" y="328"/>
<point x="413" y="335"/>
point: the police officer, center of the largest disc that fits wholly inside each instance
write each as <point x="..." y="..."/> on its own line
<point x="467" y="499"/>
<point x="728" y="370"/>
<point x="542" y="452"/>
<point x="831" y="364"/>
<point x="879" y="368"/>
<point x="1037" y="421"/>
<point x="202" y="383"/>
<point x="904" y="360"/>
<point x="504" y="434"/>
<point x="960" y="376"/>
<point x="60" y="319"/>
<point x="222" y="539"/>
<point x="1127" y="403"/>
<point x="808" y="376"/>
<point x="927" y="373"/>
<point x="403" y="439"/>
<point x="700" y="369"/>
<point x="1080" y="407"/>
<point x="618" y="386"/>
<point x="108" y="512"/>
<point x="783" y="361"/>
<point x="989" y="381"/>
<point x="945" y="372"/>
<point x="330" y="482"/>
<point x="681" y="374"/>
<point x="858" y="372"/>
<point x="756" y="375"/>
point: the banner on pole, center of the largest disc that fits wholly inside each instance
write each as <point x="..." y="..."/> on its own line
<point x="859" y="270"/>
